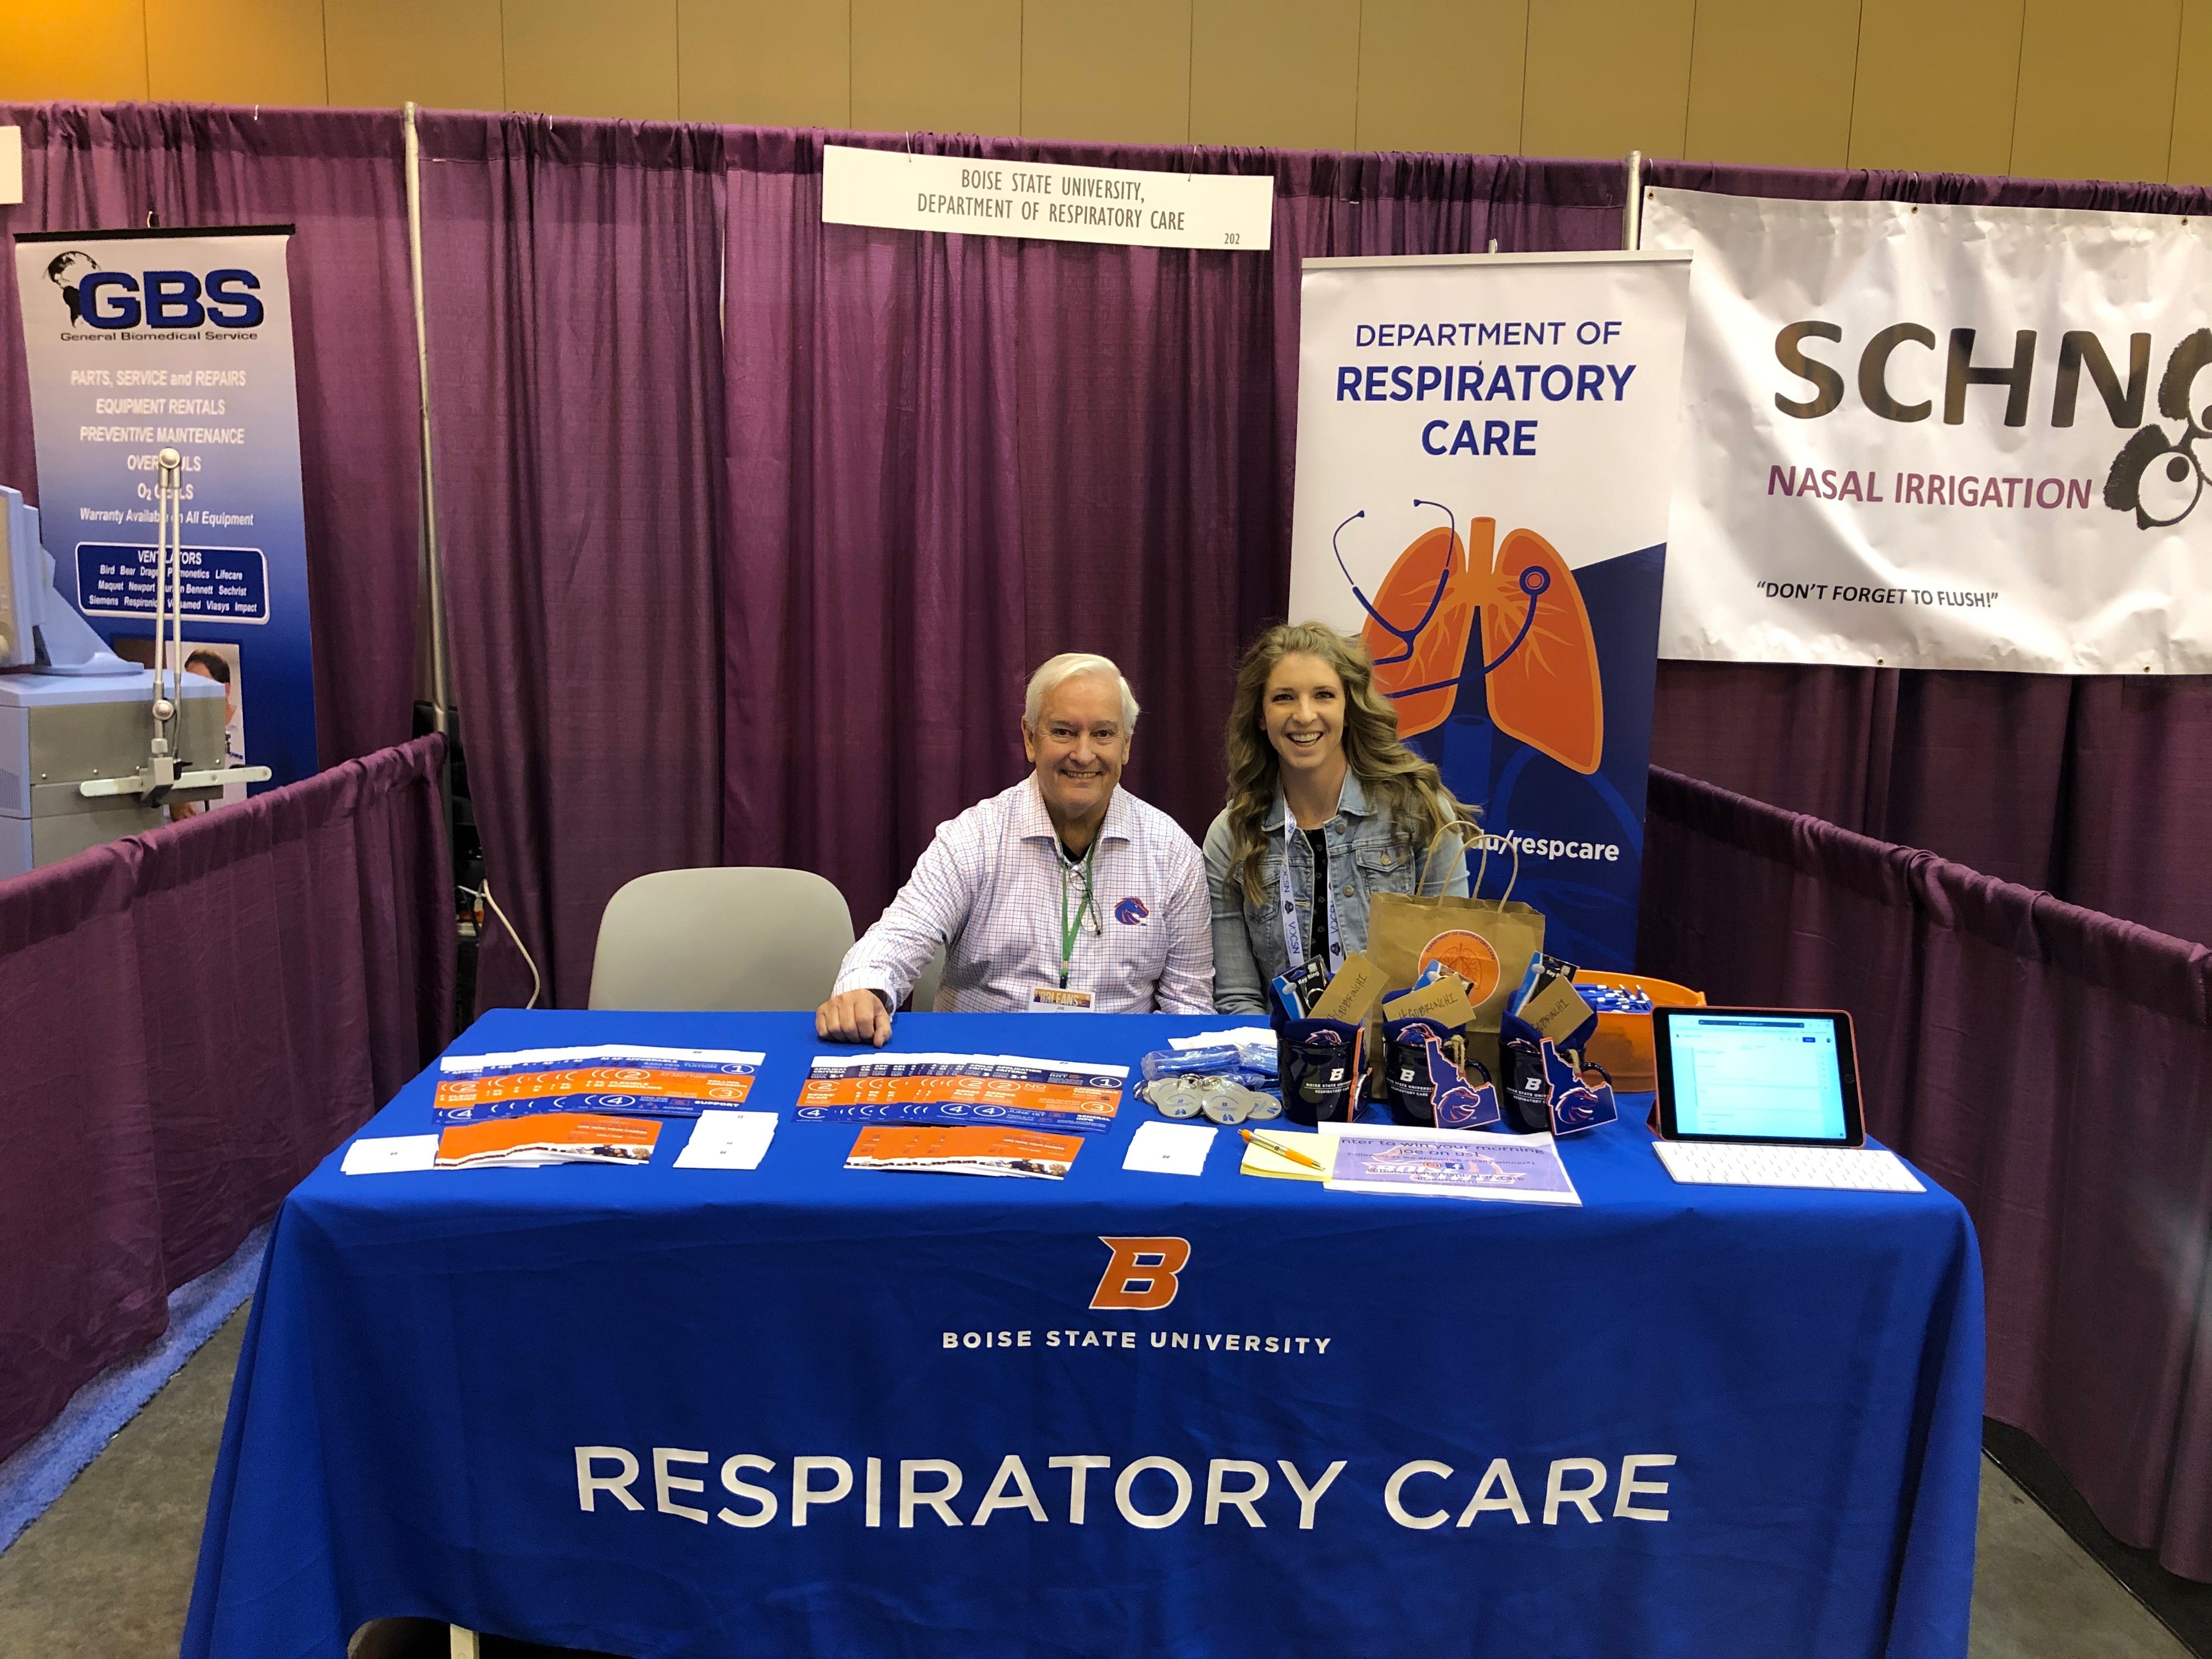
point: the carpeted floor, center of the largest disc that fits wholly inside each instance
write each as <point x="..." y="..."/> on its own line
<point x="107" y="1572"/>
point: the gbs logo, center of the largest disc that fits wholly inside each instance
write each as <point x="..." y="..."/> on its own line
<point x="156" y="298"/>
<point x="1141" y="1276"/>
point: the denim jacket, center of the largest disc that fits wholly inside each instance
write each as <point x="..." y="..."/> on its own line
<point x="1366" y="857"/>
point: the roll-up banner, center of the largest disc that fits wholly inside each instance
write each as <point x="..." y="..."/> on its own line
<point x="144" y="340"/>
<point x="1485" y="451"/>
<point x="1936" y="435"/>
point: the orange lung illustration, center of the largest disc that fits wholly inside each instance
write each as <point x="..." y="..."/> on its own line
<point x="1542" y="682"/>
<point x="1545" y="691"/>
<point x="1419" y="623"/>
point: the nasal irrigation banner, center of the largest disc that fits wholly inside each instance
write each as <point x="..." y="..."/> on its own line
<point x="140" y="341"/>
<point x="1930" y="436"/>
<point x="1485" y="450"/>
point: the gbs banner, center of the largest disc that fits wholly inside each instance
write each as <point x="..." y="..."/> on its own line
<point x="1486" y="449"/>
<point x="142" y="340"/>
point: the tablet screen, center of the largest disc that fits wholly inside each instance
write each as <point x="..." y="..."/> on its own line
<point x="1759" y="1074"/>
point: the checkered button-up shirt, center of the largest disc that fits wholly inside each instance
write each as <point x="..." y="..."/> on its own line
<point x="988" y="889"/>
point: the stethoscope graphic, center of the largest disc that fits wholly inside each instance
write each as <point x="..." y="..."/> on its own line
<point x="1462" y="742"/>
<point x="1534" y="581"/>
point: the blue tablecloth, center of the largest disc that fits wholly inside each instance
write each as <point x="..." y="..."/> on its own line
<point x="433" y="1358"/>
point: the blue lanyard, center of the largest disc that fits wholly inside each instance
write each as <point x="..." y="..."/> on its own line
<point x="1293" y="946"/>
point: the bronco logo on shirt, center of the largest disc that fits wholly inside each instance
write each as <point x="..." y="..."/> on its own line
<point x="1131" y="912"/>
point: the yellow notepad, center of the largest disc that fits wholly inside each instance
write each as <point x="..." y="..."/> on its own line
<point x="1258" y="1161"/>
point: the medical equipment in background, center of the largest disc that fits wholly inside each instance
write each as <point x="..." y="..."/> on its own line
<point x="93" y="749"/>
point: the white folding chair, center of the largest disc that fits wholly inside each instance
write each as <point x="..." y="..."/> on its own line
<point x="725" y="939"/>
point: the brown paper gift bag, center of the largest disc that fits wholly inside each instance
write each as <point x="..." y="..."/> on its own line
<point x="1488" y="941"/>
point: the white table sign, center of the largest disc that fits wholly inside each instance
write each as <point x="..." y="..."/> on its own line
<point x="897" y="191"/>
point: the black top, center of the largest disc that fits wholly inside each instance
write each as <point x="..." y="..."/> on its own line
<point x="1317" y="921"/>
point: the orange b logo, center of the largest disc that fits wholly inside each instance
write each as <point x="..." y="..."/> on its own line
<point x="1142" y="1274"/>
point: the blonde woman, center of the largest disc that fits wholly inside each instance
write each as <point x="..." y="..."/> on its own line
<point x="1319" y="784"/>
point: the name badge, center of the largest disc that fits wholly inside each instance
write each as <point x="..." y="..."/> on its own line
<point x="1051" y="1000"/>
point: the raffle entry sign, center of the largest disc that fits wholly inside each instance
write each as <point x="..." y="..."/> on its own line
<point x="1935" y="435"/>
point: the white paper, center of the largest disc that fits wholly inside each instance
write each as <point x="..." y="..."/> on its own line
<point x="1170" y="1148"/>
<point x="1235" y="1037"/>
<point x="727" y="1140"/>
<point x="390" y="1152"/>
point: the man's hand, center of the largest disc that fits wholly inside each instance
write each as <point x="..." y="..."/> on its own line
<point x="855" y="1016"/>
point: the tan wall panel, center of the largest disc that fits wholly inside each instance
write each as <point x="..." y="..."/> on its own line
<point x="2192" y="115"/>
<point x="1123" y="73"/>
<point x="761" y="64"/>
<point x="72" y="49"/>
<point x="1936" y="81"/>
<point x="609" y="58"/>
<point x="938" y="66"/>
<point x="1607" y="76"/>
<point x="2096" y="89"/>
<point x="1442" y="75"/>
<point x="443" y="54"/>
<point x="1285" y="73"/>
<point x="236" y="51"/>
<point x="1770" y="84"/>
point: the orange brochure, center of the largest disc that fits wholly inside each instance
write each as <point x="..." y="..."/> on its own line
<point x="979" y="1091"/>
<point x="724" y="1089"/>
<point x="965" y="1150"/>
<point x="548" y="1138"/>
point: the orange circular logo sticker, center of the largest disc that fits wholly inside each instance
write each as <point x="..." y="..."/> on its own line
<point x="1469" y="956"/>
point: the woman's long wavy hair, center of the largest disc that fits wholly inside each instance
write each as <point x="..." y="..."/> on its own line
<point x="1392" y="775"/>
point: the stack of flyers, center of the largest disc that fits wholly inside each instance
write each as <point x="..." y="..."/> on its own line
<point x="548" y="1138"/>
<point x="1004" y="1090"/>
<point x="613" y="1078"/>
<point x="970" y="1150"/>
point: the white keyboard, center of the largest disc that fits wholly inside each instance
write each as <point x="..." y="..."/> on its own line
<point x="1851" y="1168"/>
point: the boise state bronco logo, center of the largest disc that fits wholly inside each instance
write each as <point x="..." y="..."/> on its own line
<point x="1131" y="912"/>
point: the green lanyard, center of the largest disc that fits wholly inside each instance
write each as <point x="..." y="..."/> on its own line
<point x="1069" y="930"/>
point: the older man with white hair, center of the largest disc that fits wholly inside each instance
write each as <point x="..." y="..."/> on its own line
<point x="1063" y="894"/>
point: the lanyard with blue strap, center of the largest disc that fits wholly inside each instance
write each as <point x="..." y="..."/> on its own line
<point x="1293" y="946"/>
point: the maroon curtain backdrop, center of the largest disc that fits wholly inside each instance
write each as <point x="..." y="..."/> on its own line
<point x="577" y="429"/>
<point x="2048" y="1065"/>
<point x="195" y="1017"/>
<point x="335" y="175"/>
<point x="953" y="456"/>
<point x="2092" y="788"/>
